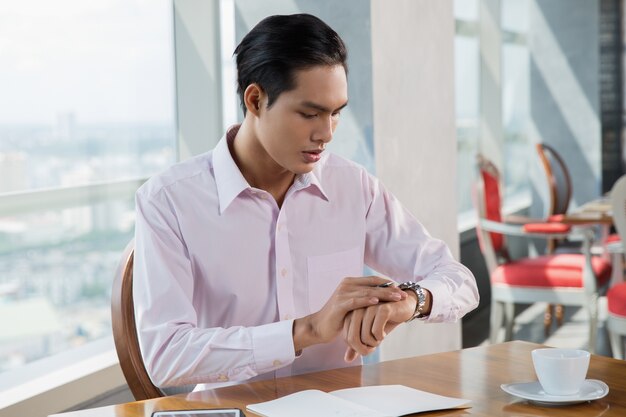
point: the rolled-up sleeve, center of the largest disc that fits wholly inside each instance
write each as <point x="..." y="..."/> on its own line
<point x="399" y="246"/>
<point x="176" y="351"/>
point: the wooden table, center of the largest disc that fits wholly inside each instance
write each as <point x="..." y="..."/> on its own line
<point x="598" y="211"/>
<point x="475" y="374"/>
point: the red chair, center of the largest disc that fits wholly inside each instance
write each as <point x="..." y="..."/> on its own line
<point x="616" y="296"/>
<point x="567" y="279"/>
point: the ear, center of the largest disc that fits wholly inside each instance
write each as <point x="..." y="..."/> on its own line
<point x="253" y="98"/>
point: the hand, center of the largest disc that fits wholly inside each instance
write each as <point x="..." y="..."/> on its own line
<point x="364" y="329"/>
<point x="351" y="294"/>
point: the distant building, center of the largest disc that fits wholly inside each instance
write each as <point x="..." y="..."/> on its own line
<point x="66" y="127"/>
<point x="12" y="171"/>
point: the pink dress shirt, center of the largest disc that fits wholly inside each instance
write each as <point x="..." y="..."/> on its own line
<point x="221" y="271"/>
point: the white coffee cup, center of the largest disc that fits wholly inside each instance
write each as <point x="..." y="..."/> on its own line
<point x="561" y="371"/>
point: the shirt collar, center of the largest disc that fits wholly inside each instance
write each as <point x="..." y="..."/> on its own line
<point x="230" y="182"/>
<point x="228" y="178"/>
<point x="312" y="179"/>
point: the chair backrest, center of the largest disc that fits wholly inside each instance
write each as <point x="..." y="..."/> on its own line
<point x="559" y="180"/>
<point x="125" y="333"/>
<point x="618" y="205"/>
<point x="489" y="204"/>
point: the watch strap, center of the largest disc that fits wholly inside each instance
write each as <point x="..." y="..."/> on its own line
<point x="421" y="298"/>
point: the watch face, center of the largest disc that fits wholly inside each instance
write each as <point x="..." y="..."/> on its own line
<point x="407" y="285"/>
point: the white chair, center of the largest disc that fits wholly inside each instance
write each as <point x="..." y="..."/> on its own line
<point x="616" y="296"/>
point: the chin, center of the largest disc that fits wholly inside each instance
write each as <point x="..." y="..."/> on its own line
<point x="303" y="169"/>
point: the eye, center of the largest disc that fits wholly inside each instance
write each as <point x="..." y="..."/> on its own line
<point x="308" y="115"/>
<point x="336" y="115"/>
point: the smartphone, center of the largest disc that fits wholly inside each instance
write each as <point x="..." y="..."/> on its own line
<point x="218" y="412"/>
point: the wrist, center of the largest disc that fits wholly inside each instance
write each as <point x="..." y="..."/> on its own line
<point x="411" y="306"/>
<point x="304" y="334"/>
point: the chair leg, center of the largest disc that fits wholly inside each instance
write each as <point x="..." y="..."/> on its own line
<point x="547" y="320"/>
<point x="617" y="345"/>
<point x="559" y="314"/>
<point x="592" y="308"/>
<point x="617" y="261"/>
<point x="495" y="320"/>
<point x="509" y="313"/>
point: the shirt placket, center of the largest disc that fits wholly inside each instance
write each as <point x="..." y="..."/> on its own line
<point x="284" y="277"/>
<point x="284" y="270"/>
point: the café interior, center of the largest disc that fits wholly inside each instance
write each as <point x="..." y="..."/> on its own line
<point x="498" y="123"/>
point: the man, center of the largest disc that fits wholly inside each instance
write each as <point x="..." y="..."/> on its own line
<point x="249" y="258"/>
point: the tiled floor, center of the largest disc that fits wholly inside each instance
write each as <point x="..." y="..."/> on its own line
<point x="529" y="326"/>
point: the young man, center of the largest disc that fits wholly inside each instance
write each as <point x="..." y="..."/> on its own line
<point x="249" y="258"/>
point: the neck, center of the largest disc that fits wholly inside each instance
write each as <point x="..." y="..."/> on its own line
<point x="257" y="166"/>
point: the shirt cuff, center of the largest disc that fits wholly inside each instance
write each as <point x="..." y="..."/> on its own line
<point x="273" y="345"/>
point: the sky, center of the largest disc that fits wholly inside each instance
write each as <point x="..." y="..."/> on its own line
<point x="105" y="61"/>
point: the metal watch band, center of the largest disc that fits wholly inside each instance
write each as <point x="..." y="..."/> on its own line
<point x="421" y="298"/>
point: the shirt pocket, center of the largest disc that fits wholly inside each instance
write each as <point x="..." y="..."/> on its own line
<point x="325" y="272"/>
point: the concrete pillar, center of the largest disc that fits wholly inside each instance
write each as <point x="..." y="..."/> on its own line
<point x="198" y="76"/>
<point x="415" y="136"/>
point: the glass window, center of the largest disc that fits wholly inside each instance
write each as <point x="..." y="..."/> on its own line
<point x="515" y="98"/>
<point x="515" y="115"/>
<point x="467" y="82"/>
<point x="514" y="15"/>
<point x="467" y="101"/>
<point x="466" y="9"/>
<point x="88" y="102"/>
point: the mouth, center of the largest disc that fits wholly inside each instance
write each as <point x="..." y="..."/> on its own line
<point x="313" y="155"/>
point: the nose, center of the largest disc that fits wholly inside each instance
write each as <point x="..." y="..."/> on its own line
<point x="325" y="129"/>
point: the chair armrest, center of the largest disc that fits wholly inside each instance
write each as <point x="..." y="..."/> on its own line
<point x="518" y="219"/>
<point x="518" y="230"/>
<point x="547" y="228"/>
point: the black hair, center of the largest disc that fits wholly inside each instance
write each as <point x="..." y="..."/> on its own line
<point x="278" y="46"/>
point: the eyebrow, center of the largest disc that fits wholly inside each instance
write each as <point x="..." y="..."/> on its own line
<point x="322" y="108"/>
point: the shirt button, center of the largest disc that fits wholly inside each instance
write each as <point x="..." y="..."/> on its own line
<point x="287" y="317"/>
<point x="277" y="363"/>
<point x="222" y="378"/>
<point x="279" y="227"/>
<point x="283" y="272"/>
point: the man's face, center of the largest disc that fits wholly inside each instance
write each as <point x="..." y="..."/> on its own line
<point x="296" y="128"/>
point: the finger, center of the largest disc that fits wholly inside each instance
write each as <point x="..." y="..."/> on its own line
<point x="364" y="293"/>
<point x="382" y="284"/>
<point x="346" y="325"/>
<point x="354" y="332"/>
<point x="378" y="324"/>
<point x="370" y="281"/>
<point x="367" y="336"/>
<point x="384" y="294"/>
<point x="350" y="355"/>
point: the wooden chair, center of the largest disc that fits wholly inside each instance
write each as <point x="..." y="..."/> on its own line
<point x="559" y="180"/>
<point x="616" y="296"/>
<point x="560" y="191"/>
<point x="567" y="279"/>
<point x="124" y="331"/>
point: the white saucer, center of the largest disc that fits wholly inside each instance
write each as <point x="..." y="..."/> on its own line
<point x="592" y="389"/>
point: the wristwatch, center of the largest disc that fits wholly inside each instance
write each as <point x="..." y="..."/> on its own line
<point x="421" y="298"/>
